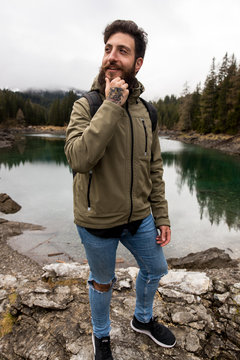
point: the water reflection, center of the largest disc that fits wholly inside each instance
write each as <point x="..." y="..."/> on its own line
<point x="213" y="176"/>
<point x="210" y="176"/>
<point x="34" y="149"/>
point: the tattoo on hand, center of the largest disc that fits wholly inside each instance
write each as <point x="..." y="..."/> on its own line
<point x="115" y="95"/>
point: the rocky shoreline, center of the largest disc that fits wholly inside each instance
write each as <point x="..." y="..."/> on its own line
<point x="9" y="136"/>
<point x="199" y="300"/>
<point x="227" y="143"/>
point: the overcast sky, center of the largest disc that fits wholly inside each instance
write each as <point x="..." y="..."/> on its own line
<point x="59" y="44"/>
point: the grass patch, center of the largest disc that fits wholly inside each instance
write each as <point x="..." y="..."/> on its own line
<point x="6" y="324"/>
<point x="12" y="298"/>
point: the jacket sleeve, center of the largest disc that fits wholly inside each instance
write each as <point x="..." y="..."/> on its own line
<point x="86" y="138"/>
<point x="157" y="199"/>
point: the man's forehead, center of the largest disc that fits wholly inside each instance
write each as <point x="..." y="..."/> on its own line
<point x="121" y="39"/>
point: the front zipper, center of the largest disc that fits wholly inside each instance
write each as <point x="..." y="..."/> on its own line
<point x="131" y="185"/>
<point x="146" y="136"/>
<point x="88" y="192"/>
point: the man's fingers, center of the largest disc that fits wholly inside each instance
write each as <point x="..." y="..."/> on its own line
<point x="164" y="237"/>
<point x="162" y="242"/>
<point x="107" y="87"/>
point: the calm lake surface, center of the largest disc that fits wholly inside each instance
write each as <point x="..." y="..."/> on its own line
<point x="202" y="188"/>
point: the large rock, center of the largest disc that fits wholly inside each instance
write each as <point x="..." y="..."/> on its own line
<point x="47" y="299"/>
<point x="53" y="314"/>
<point x="66" y="270"/>
<point x="7" y="205"/>
<point x="208" y="259"/>
<point x="49" y="318"/>
<point x="188" y="282"/>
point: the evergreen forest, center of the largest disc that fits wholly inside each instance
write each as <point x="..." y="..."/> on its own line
<point x="36" y="107"/>
<point x="213" y="108"/>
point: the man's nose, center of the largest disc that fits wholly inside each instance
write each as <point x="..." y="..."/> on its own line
<point x="112" y="55"/>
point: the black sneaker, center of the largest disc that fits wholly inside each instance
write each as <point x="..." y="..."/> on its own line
<point x="157" y="332"/>
<point x="101" y="348"/>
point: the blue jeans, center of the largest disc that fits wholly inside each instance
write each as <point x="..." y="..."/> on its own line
<point x="101" y="256"/>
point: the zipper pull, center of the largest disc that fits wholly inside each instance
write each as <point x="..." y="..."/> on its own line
<point x="88" y="193"/>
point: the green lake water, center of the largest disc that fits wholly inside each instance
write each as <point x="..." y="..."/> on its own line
<point x="202" y="188"/>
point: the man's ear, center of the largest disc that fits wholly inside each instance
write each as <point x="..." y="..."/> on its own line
<point x="138" y="64"/>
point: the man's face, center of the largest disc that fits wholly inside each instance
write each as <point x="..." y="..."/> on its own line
<point x="119" y="57"/>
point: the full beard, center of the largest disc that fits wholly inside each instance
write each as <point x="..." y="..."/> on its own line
<point x="128" y="76"/>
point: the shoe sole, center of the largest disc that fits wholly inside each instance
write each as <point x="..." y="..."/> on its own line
<point x="146" y="332"/>
<point x="94" y="349"/>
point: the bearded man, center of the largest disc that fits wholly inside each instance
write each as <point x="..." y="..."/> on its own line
<point x="119" y="193"/>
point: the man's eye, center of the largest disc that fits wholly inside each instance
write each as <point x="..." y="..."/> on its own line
<point x="123" y="51"/>
<point x="107" y="50"/>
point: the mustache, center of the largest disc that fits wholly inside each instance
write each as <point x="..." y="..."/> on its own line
<point x="109" y="64"/>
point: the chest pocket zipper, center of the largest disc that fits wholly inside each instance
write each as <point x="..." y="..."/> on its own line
<point x="146" y="135"/>
<point x="88" y="192"/>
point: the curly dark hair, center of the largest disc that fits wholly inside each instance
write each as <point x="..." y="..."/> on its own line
<point x="131" y="28"/>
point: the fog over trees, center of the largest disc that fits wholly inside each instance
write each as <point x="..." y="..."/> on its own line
<point x="213" y="108"/>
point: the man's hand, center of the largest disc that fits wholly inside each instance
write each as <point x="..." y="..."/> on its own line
<point x="116" y="91"/>
<point x="165" y="235"/>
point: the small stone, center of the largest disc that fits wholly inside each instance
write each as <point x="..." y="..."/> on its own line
<point x="184" y="317"/>
<point x="84" y="354"/>
<point x="3" y="294"/>
<point x="221" y="297"/>
<point x="133" y="272"/>
<point x="125" y="284"/>
<point x="212" y="349"/>
<point x="7" y="281"/>
<point x="233" y="335"/>
<point x="199" y="325"/>
<point x="177" y="295"/>
<point x="237" y="286"/>
<point x="233" y="310"/>
<point x="41" y="290"/>
<point x="74" y="347"/>
<point x="223" y="310"/>
<point x="192" y="342"/>
<point x="219" y="286"/>
<point x="236" y="299"/>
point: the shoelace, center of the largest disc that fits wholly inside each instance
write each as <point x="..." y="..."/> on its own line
<point x="155" y="325"/>
<point x="106" y="350"/>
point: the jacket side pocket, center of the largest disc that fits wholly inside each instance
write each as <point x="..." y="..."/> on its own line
<point x="146" y="136"/>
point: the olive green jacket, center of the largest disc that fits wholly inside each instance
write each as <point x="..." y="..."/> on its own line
<point x="118" y="164"/>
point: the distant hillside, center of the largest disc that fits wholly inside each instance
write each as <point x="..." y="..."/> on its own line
<point x="36" y="107"/>
<point x="47" y="97"/>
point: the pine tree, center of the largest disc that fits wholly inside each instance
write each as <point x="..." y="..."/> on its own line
<point x="196" y="107"/>
<point x="233" y="101"/>
<point x="28" y="113"/>
<point x="55" y="113"/>
<point x="185" y="106"/>
<point x="209" y="101"/>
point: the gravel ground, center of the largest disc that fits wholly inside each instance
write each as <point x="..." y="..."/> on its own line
<point x="12" y="262"/>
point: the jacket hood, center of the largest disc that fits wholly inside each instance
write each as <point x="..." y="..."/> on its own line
<point x="135" y="93"/>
